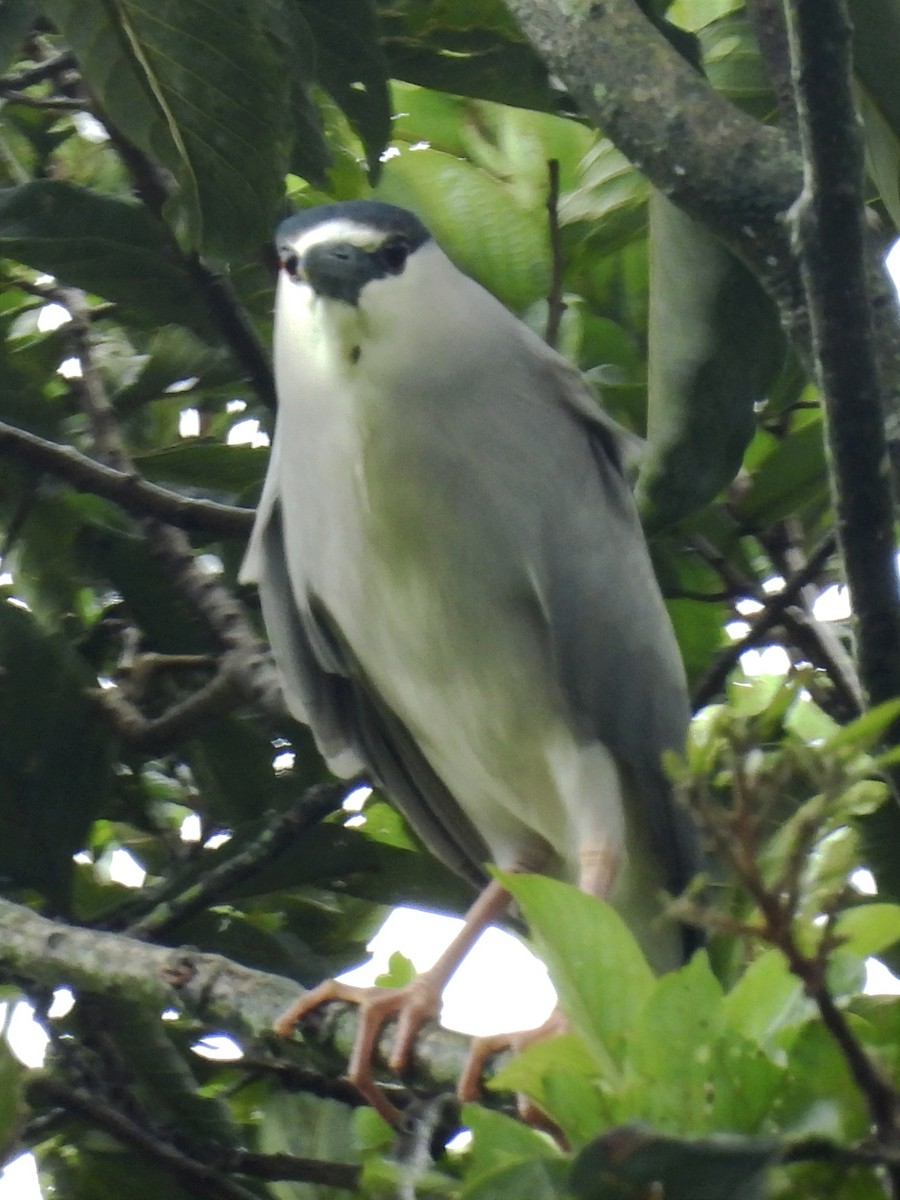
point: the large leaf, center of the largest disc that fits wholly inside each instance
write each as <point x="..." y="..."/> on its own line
<point x="508" y="1159"/>
<point x="876" y="36"/>
<point x="472" y="48"/>
<point x="715" y="346"/>
<point x="350" y="65"/>
<point x="308" y="1128"/>
<point x="632" y="1163"/>
<point x="473" y="218"/>
<point x="602" y="978"/>
<point x="204" y="94"/>
<point x="16" y="19"/>
<point x="104" y="245"/>
<point x="54" y="769"/>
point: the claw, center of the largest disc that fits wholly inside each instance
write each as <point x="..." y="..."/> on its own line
<point x="484" y="1048"/>
<point x="413" y="1006"/>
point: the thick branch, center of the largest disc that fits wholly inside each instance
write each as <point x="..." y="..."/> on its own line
<point x="217" y="992"/>
<point x="723" y="167"/>
<point x="728" y="171"/>
<point x="829" y="228"/>
<point x="132" y="492"/>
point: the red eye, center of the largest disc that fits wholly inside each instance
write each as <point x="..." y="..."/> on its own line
<point x="394" y="255"/>
<point x="291" y="263"/>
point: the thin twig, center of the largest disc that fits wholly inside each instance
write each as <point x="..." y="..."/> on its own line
<point x="287" y="1166"/>
<point x="282" y="832"/>
<point x="180" y="721"/>
<point x="47" y="103"/>
<point x="555" y="304"/>
<point x="816" y="639"/>
<point x="220" y="610"/>
<point x="48" y="69"/>
<point x="199" y="1178"/>
<point x="128" y="489"/>
<point x="714" y="680"/>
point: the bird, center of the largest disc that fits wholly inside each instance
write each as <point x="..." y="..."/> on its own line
<point x="458" y="593"/>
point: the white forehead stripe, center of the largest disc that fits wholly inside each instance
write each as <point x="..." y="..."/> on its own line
<point x="339" y="229"/>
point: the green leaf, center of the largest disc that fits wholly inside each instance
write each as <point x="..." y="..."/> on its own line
<point x="170" y="625"/>
<point x="818" y="1096"/>
<point x="54" y="765"/>
<point x="208" y="99"/>
<point x="864" y="732"/>
<point x="107" y="246"/>
<point x="16" y="20"/>
<point x="560" y="1076"/>
<point x="790" y="477"/>
<point x="610" y="200"/>
<point x="474" y="220"/>
<point x="310" y="155"/>
<point x="869" y="928"/>
<point x="471" y="48"/>
<point x="210" y="467"/>
<point x="400" y="971"/>
<point x="674" y="1044"/>
<point x="538" y="1179"/>
<point x="625" y="1163"/>
<point x="766" y="1000"/>
<point x="307" y="1127"/>
<point x="882" y="154"/>
<point x="734" y="66"/>
<point x="509" y="1159"/>
<point x="170" y="355"/>
<point x="876" y="35"/>
<point x="350" y="66"/>
<point x="602" y="978"/>
<point x="715" y="346"/>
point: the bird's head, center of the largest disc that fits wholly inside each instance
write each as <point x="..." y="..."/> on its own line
<point x="339" y="250"/>
<point x="363" y="282"/>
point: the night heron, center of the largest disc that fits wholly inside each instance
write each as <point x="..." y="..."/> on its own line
<point x="457" y="589"/>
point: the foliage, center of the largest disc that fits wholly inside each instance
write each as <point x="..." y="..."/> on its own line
<point x="145" y="155"/>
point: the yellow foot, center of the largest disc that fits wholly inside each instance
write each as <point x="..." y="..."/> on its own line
<point x="412" y="1006"/>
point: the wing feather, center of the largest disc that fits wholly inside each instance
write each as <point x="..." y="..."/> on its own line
<point x="353" y="728"/>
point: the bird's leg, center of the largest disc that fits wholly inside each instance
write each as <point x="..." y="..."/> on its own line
<point x="598" y="868"/>
<point x="412" y="1005"/>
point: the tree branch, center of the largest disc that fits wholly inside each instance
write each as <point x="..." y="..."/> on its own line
<point x="281" y="832"/>
<point x="829" y="228"/>
<point x="714" y="680"/>
<point x="732" y="173"/>
<point x="726" y="169"/>
<point x="771" y="34"/>
<point x="129" y="490"/>
<point x="180" y="721"/>
<point x="555" y="303"/>
<point x="214" y="990"/>
<point x="221" y="611"/>
<point x="201" y="1179"/>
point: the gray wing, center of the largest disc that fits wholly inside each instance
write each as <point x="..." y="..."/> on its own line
<point x="353" y="728"/>
<point x="618" y="661"/>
